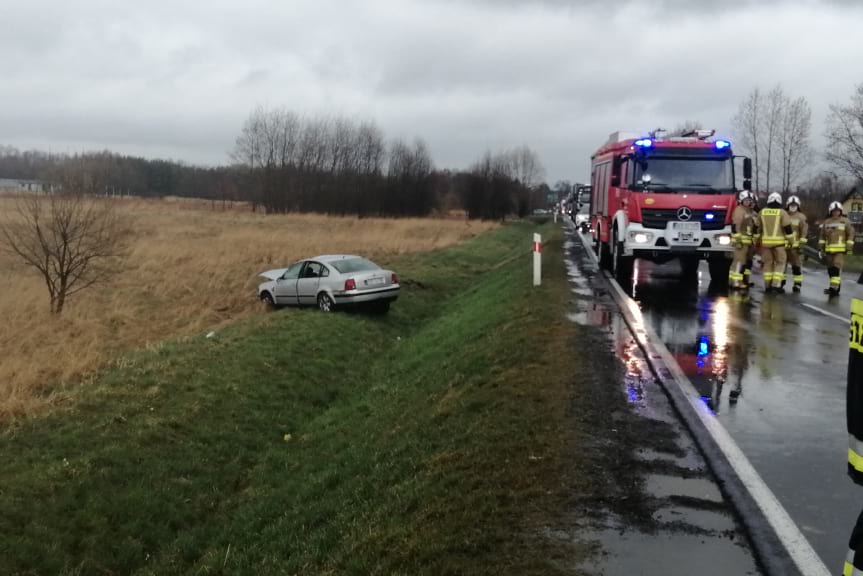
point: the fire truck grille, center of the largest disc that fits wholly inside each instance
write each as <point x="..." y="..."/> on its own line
<point x="659" y="218"/>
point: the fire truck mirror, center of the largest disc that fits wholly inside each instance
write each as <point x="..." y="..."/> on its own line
<point x="747" y="168"/>
<point x="747" y="184"/>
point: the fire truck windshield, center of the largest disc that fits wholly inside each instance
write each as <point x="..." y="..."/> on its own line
<point x="706" y="175"/>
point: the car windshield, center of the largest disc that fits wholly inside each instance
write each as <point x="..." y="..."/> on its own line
<point x="293" y="272"/>
<point x="349" y="265"/>
<point x="689" y="174"/>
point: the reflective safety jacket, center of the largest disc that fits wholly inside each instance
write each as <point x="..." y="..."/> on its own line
<point x="743" y="225"/>
<point x="837" y="236"/>
<point x="776" y="227"/>
<point x="800" y="227"/>
<point x="854" y="394"/>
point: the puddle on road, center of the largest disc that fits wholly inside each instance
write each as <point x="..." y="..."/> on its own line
<point x="591" y="314"/>
<point x="662" y="486"/>
<point x="670" y="554"/>
<point x="690" y="531"/>
<point x="706" y="520"/>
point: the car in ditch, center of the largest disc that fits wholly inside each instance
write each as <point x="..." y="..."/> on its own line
<point x="329" y="282"/>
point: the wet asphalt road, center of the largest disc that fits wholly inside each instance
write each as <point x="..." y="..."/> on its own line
<point x="788" y="362"/>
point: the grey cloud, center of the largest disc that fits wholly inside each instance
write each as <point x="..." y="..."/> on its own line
<point x="170" y="78"/>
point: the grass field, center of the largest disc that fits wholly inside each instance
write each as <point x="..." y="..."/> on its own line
<point x="429" y="441"/>
<point x="190" y="269"/>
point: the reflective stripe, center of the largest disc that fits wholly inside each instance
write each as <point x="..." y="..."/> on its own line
<point x="835" y="280"/>
<point x="855" y="460"/>
<point x="768" y="276"/>
<point x="772" y="237"/>
<point x="855" y="446"/>
<point x="848" y="569"/>
<point x="835" y="248"/>
<point x="798" y="279"/>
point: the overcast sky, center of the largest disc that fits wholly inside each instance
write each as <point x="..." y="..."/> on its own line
<point x="176" y="79"/>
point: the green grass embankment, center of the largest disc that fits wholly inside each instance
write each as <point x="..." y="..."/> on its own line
<point x="429" y="441"/>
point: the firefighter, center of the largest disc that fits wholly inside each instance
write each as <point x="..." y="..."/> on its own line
<point x="776" y="232"/>
<point x="801" y="231"/>
<point x="837" y="239"/>
<point x="747" y="270"/>
<point x="742" y="233"/>
<point x="854" y="424"/>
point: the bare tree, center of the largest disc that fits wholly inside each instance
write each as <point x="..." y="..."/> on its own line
<point x="844" y="134"/>
<point x="747" y="123"/>
<point x="796" y="126"/>
<point x="526" y="167"/>
<point x="73" y="241"/>
<point x="774" y="111"/>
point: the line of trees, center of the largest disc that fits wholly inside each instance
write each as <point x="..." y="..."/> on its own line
<point x="283" y="162"/>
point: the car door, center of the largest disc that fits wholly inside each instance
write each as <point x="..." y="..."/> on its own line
<point x="307" y="285"/>
<point x="285" y="290"/>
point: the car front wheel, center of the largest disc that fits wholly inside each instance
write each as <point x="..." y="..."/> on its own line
<point x="325" y="303"/>
<point x="267" y="299"/>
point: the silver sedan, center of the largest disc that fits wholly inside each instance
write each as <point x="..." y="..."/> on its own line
<point x="331" y="281"/>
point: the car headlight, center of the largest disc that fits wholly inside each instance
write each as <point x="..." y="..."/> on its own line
<point x="640" y="237"/>
<point x="724" y="240"/>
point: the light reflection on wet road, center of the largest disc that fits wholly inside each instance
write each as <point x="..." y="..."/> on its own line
<point x="774" y="373"/>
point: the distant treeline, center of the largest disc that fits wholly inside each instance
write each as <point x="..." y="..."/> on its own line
<point x="283" y="162"/>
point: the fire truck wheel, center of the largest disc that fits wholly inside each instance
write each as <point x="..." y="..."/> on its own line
<point x="622" y="265"/>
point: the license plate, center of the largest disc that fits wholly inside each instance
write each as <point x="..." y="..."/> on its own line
<point x="686" y="236"/>
<point x="374" y="281"/>
<point x="694" y="226"/>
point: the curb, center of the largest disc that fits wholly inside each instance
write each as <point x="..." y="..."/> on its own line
<point x="780" y="548"/>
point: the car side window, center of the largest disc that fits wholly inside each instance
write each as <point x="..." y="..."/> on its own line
<point x="324" y="271"/>
<point x="293" y="272"/>
<point x="312" y="270"/>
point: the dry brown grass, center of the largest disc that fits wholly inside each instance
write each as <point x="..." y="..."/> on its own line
<point x="190" y="269"/>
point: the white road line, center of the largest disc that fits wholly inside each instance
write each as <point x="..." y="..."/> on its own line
<point x="796" y="544"/>
<point x="826" y="313"/>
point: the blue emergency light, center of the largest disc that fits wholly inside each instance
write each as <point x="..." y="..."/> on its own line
<point x="722" y="144"/>
<point x="644" y="143"/>
<point x="703" y="346"/>
<point x="709" y="216"/>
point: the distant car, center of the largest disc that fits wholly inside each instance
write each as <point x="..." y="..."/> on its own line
<point x="330" y="282"/>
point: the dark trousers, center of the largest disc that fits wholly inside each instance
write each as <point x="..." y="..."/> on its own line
<point x="854" y="559"/>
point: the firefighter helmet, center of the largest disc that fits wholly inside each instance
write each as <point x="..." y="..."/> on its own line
<point x="792" y="200"/>
<point x="835" y="206"/>
<point x="774" y="197"/>
<point x="744" y="195"/>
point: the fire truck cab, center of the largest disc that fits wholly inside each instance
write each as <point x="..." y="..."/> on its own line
<point x="660" y="198"/>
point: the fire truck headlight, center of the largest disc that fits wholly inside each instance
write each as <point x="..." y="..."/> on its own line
<point x="640" y="237"/>
<point x="724" y="240"/>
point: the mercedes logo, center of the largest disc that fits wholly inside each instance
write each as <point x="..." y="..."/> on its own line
<point x="684" y="213"/>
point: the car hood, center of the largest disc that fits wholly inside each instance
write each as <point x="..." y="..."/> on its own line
<point x="273" y="274"/>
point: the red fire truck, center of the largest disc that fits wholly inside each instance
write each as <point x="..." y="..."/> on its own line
<point x="660" y="198"/>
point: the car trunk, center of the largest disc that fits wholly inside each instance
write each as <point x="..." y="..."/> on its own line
<point x="372" y="280"/>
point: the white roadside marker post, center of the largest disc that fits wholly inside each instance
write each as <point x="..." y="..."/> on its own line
<point x="537" y="259"/>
